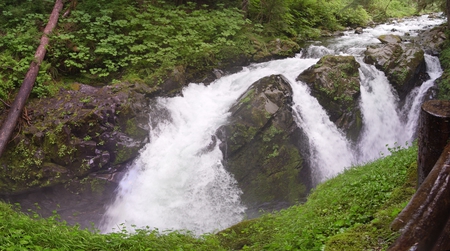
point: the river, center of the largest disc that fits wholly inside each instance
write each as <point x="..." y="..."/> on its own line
<point x="175" y="185"/>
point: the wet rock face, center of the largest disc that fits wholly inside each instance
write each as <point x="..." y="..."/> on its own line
<point x="264" y="149"/>
<point x="432" y="40"/>
<point x="334" y="81"/>
<point x="74" y="134"/>
<point x="403" y="63"/>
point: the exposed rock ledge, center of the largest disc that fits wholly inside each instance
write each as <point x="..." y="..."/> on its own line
<point x="74" y="134"/>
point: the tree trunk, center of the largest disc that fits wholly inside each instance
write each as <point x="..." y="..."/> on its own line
<point x="425" y="217"/>
<point x="28" y="82"/>
<point x="244" y="7"/>
<point x="425" y="221"/>
<point x="447" y="9"/>
<point x="433" y="135"/>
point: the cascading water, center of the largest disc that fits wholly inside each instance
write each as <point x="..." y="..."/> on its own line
<point x="178" y="181"/>
<point x="416" y="96"/>
<point x="382" y="123"/>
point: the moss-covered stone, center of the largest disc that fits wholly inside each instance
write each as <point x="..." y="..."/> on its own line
<point x="263" y="147"/>
<point x="77" y="132"/>
<point x="334" y="81"/>
<point x="403" y="63"/>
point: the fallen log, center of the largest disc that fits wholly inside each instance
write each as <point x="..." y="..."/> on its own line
<point x="27" y="85"/>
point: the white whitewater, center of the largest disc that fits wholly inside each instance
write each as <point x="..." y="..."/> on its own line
<point x="382" y="125"/>
<point x="411" y="110"/>
<point x="178" y="181"/>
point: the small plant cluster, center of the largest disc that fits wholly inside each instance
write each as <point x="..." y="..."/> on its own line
<point x="444" y="82"/>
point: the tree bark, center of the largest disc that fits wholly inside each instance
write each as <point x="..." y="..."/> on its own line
<point x="28" y="82"/>
<point x="433" y="135"/>
<point x="425" y="217"/>
<point x="425" y="221"/>
<point x="447" y="6"/>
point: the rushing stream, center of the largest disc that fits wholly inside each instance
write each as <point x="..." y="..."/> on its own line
<point x="175" y="184"/>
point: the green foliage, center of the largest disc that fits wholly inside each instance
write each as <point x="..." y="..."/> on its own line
<point x="444" y="82"/>
<point x="144" y="40"/>
<point x="160" y="37"/>
<point x="438" y="5"/>
<point x="20" y="232"/>
<point x="379" y="10"/>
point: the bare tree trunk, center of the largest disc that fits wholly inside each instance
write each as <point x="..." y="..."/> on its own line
<point x="244" y="6"/>
<point x="433" y="134"/>
<point x="425" y="222"/>
<point x="426" y="215"/>
<point x="28" y="82"/>
<point x="447" y="7"/>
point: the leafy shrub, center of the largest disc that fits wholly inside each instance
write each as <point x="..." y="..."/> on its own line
<point x="354" y="17"/>
<point x="160" y="37"/>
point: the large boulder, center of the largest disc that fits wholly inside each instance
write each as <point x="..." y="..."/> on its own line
<point x="403" y="63"/>
<point x="334" y="81"/>
<point x="432" y="40"/>
<point x="264" y="149"/>
<point x="80" y="131"/>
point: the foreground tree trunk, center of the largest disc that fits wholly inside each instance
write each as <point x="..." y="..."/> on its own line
<point x="425" y="218"/>
<point x="425" y="222"/>
<point x="433" y="135"/>
<point x="447" y="6"/>
<point x="28" y="82"/>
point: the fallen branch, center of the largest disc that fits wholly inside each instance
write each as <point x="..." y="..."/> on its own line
<point x="27" y="85"/>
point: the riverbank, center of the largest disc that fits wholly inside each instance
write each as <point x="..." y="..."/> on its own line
<point x="352" y="211"/>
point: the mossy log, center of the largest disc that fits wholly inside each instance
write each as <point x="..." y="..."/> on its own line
<point x="424" y="223"/>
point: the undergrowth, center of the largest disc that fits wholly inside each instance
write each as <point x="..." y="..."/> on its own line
<point x="352" y="211"/>
<point x="444" y="81"/>
<point x="101" y="41"/>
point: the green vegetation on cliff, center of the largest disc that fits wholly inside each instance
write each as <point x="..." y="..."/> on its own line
<point x="350" y="212"/>
<point x="99" y="41"/>
<point x="444" y="81"/>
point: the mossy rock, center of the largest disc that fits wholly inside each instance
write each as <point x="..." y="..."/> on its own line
<point x="264" y="149"/>
<point x="334" y="81"/>
<point x="403" y="64"/>
<point x="79" y="131"/>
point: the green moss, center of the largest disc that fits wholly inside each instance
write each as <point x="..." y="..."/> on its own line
<point x="133" y="130"/>
<point x="123" y="154"/>
<point x="248" y="97"/>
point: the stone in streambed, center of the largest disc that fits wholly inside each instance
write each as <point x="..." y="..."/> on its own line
<point x="264" y="149"/>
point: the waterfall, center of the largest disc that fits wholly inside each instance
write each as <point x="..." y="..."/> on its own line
<point x="385" y="124"/>
<point x="178" y="181"/>
<point x="381" y="120"/>
<point x="411" y="110"/>
<point x="330" y="151"/>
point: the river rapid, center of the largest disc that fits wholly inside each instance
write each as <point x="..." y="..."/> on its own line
<point x="174" y="185"/>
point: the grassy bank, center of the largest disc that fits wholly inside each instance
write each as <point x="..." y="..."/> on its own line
<point x="350" y="212"/>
